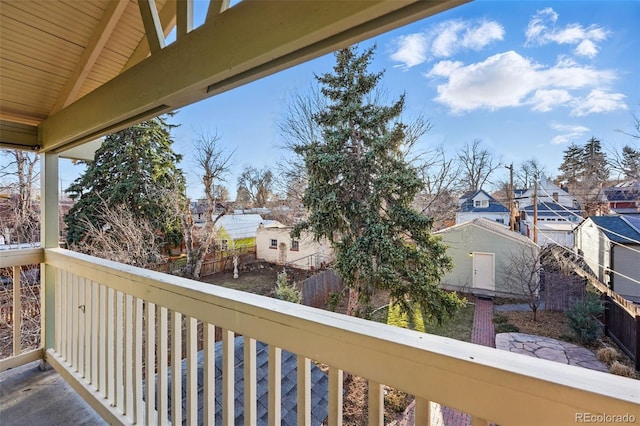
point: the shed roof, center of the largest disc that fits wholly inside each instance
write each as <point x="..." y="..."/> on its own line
<point x="239" y="226"/>
<point x="491" y="226"/>
<point x="620" y="229"/>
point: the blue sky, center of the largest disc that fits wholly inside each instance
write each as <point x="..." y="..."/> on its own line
<point x="527" y="78"/>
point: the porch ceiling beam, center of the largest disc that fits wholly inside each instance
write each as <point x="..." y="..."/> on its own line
<point x="167" y="20"/>
<point x="248" y="41"/>
<point x="152" y="25"/>
<point x="184" y="17"/>
<point x="16" y="135"/>
<point x="103" y="32"/>
<point x="216" y="7"/>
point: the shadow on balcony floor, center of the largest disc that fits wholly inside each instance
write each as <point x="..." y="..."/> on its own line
<point x="29" y="396"/>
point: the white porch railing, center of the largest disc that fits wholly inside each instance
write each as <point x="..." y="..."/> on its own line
<point x="13" y="260"/>
<point x="114" y="322"/>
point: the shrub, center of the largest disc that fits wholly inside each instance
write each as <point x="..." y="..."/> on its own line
<point x="413" y="321"/>
<point x="608" y="355"/>
<point x="506" y="328"/>
<point x="582" y="319"/>
<point x="619" y="369"/>
<point x="333" y="300"/>
<point x="500" y="319"/>
<point x="286" y="291"/>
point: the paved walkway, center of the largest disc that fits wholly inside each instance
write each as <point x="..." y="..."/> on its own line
<point x="551" y="349"/>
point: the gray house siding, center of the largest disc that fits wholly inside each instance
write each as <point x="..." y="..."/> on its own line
<point x="626" y="264"/>
<point x="481" y="237"/>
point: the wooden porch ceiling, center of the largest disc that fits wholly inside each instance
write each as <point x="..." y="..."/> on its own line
<point x="72" y="71"/>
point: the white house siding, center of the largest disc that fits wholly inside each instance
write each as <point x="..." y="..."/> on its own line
<point x="309" y="255"/>
<point x="626" y="262"/>
<point x="481" y="236"/>
<point x="462" y="217"/>
<point x="594" y="247"/>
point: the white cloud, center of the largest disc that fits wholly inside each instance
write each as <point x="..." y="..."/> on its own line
<point x="411" y="50"/>
<point x="569" y="132"/>
<point x="542" y="30"/>
<point x="509" y="80"/>
<point x="545" y="100"/>
<point x="598" y="101"/>
<point x="445" y="40"/>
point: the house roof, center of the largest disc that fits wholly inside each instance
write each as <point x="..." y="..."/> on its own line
<point x="619" y="229"/>
<point x="319" y="386"/>
<point x="629" y="192"/>
<point x="555" y="209"/>
<point x="491" y="226"/>
<point x="468" y="205"/>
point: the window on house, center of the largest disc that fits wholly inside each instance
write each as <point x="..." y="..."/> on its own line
<point x="273" y="244"/>
<point x="224" y="245"/>
<point x="481" y="203"/>
<point x="295" y="245"/>
<point x="500" y="220"/>
<point x="555" y="196"/>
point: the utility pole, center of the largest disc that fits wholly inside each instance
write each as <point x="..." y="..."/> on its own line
<point x="512" y="219"/>
<point x="535" y="209"/>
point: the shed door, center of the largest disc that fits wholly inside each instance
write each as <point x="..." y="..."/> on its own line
<point x="484" y="271"/>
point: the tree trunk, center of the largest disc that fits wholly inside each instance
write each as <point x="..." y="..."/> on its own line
<point x="352" y="302"/>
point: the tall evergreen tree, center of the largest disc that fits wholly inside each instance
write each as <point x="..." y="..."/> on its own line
<point x="631" y="162"/>
<point x="135" y="169"/>
<point x="571" y="167"/>
<point x="359" y="195"/>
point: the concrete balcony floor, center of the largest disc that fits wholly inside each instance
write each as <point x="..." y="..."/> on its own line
<point x="29" y="396"/>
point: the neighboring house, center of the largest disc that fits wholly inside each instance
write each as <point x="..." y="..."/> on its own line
<point x="610" y="246"/>
<point x="238" y="231"/>
<point x="547" y="192"/>
<point x="199" y="209"/>
<point x="555" y="223"/>
<point x="479" y="204"/>
<point x="623" y="198"/>
<point x="481" y="251"/>
<point x="274" y="244"/>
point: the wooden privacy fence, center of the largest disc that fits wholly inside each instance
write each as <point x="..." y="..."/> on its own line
<point x="316" y="289"/>
<point x="622" y="324"/>
<point x="562" y="291"/>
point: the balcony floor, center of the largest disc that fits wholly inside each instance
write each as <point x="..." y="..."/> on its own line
<point x="29" y="396"/>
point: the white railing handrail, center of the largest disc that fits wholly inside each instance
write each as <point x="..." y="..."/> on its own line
<point x="496" y="385"/>
<point x="20" y="257"/>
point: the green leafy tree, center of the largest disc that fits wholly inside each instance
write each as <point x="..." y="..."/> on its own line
<point x="135" y="169"/>
<point x="359" y="195"/>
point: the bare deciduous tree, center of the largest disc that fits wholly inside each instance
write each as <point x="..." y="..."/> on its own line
<point x="522" y="273"/>
<point x="123" y="238"/>
<point x="439" y="199"/>
<point x="213" y="163"/>
<point x="19" y="176"/>
<point x="476" y="165"/>
<point x="527" y="173"/>
<point x="257" y="185"/>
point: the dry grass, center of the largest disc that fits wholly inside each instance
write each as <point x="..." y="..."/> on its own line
<point x="608" y="355"/>
<point x="619" y="369"/>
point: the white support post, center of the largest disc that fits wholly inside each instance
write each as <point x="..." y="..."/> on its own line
<point x="49" y="235"/>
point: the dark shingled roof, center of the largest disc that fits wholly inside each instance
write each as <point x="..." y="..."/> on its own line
<point x="494" y="206"/>
<point x="319" y="386"/>
<point x="619" y="228"/>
